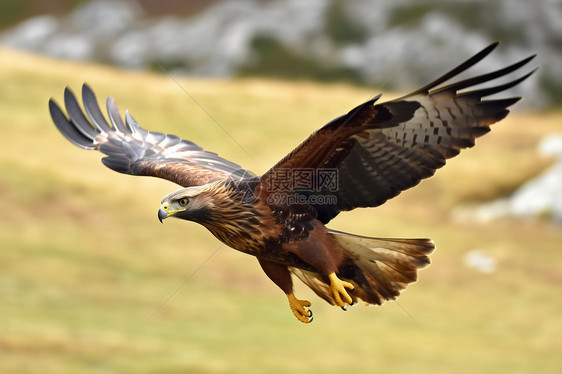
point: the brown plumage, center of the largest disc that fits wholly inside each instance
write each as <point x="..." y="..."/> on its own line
<point x="360" y="159"/>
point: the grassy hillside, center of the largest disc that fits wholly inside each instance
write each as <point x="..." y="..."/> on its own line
<point x="84" y="262"/>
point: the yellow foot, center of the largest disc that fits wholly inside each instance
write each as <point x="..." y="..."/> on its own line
<point x="338" y="288"/>
<point x="300" y="308"/>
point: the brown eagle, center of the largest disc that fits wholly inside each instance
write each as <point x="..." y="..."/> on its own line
<point x="360" y="159"/>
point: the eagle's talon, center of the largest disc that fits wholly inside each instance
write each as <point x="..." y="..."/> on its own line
<point x="338" y="288"/>
<point x="300" y="308"/>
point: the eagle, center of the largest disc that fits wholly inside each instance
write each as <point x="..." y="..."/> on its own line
<point x="360" y="159"/>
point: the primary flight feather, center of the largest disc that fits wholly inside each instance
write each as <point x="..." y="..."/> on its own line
<point x="360" y="159"/>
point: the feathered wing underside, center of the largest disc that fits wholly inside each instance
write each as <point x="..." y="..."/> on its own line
<point x="380" y="268"/>
<point x="130" y="149"/>
<point x="379" y="150"/>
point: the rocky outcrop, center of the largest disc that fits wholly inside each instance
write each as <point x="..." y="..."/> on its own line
<point x="392" y="43"/>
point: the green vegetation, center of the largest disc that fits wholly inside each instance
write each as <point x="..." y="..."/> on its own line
<point x="84" y="261"/>
<point x="552" y="89"/>
<point x="271" y="58"/>
<point x="10" y="10"/>
<point x="342" y="28"/>
<point x="471" y="15"/>
<point x="14" y="11"/>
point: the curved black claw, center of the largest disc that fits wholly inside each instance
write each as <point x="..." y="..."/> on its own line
<point x="310" y="317"/>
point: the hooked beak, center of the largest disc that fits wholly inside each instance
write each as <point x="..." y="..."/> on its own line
<point x="162" y="214"/>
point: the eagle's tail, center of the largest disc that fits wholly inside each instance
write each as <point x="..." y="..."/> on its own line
<point x="378" y="268"/>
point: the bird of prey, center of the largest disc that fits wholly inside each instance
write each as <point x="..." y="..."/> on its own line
<point x="360" y="159"/>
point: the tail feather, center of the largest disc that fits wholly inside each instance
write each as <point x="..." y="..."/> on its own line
<point x="378" y="268"/>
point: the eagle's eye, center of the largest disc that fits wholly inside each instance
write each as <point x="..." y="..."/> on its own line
<point x="183" y="201"/>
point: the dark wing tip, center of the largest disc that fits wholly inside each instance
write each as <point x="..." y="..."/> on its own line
<point x="484" y="78"/>
<point x="493" y="45"/>
<point x="431" y="87"/>
<point x="93" y="110"/>
<point x="67" y="128"/>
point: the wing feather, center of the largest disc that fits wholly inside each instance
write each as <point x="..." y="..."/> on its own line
<point x="115" y="116"/>
<point x="77" y="116"/>
<point x="382" y="149"/>
<point x="71" y="132"/>
<point x="133" y="150"/>
<point x="93" y="110"/>
<point x="455" y="87"/>
<point x="456" y="71"/>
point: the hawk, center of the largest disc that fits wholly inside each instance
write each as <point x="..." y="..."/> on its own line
<point x="360" y="159"/>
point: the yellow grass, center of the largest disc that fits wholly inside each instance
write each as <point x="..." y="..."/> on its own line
<point x="84" y="261"/>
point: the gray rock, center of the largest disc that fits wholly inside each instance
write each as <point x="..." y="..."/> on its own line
<point x="477" y="259"/>
<point x="539" y="198"/>
<point x="542" y="196"/>
<point x="104" y="18"/>
<point x="70" y="46"/>
<point x="30" y="35"/>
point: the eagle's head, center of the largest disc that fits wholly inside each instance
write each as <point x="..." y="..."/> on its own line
<point x="223" y="207"/>
<point x="190" y="203"/>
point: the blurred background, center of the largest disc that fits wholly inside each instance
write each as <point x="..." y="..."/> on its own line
<point x="397" y="44"/>
<point x="91" y="282"/>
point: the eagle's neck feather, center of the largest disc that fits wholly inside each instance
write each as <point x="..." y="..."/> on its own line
<point x="233" y="217"/>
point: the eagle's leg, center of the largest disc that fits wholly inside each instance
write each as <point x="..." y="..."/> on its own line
<point x="281" y="276"/>
<point x="338" y="288"/>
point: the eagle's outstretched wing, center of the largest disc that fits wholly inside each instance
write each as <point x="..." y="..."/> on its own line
<point x="132" y="150"/>
<point x="379" y="150"/>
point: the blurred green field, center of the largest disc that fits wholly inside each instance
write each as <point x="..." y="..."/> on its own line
<point x="84" y="261"/>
